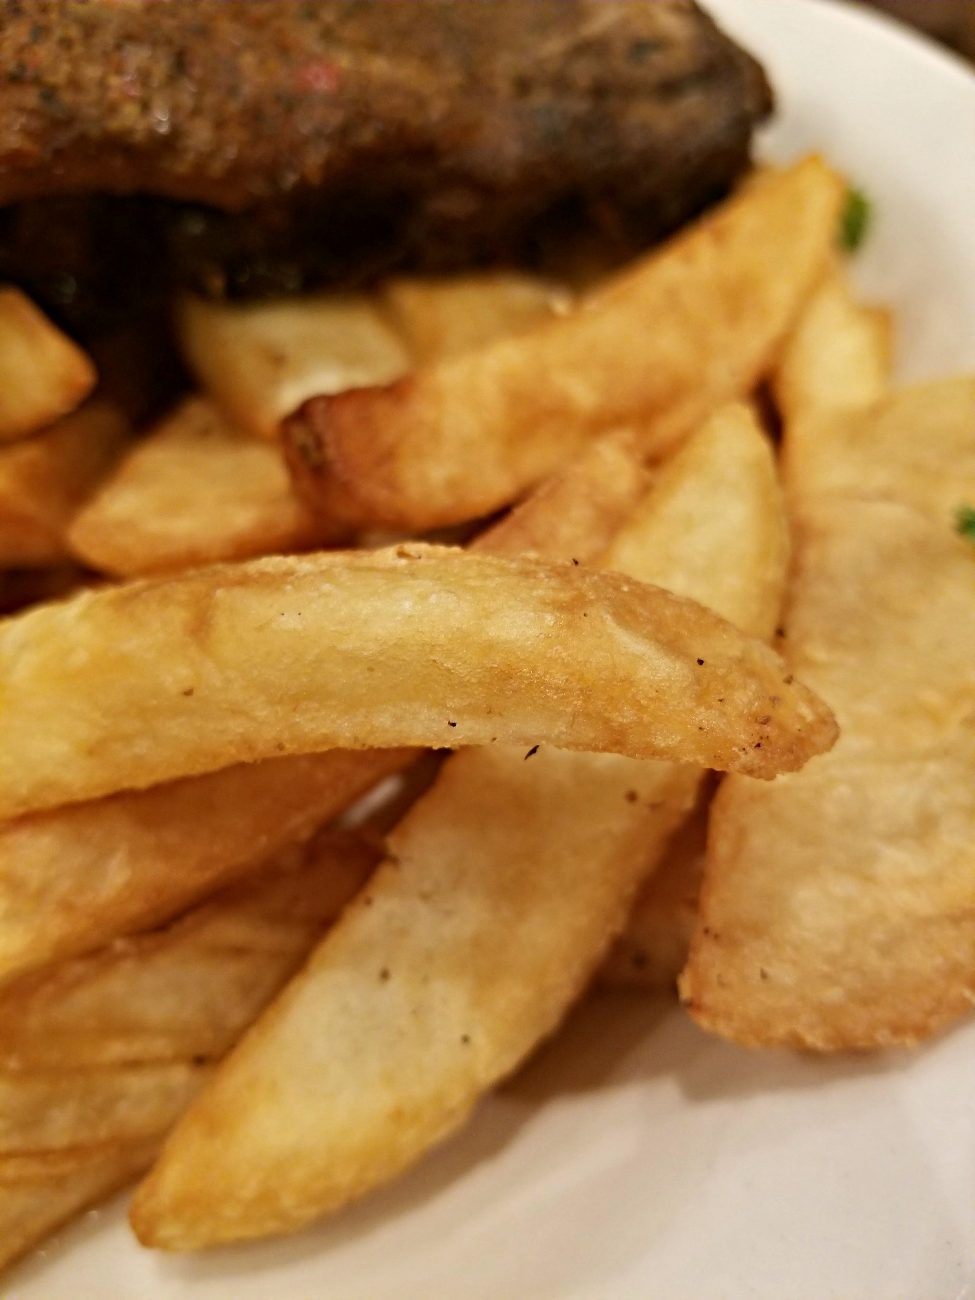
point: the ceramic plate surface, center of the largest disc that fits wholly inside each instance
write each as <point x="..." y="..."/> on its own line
<point x="635" y="1158"/>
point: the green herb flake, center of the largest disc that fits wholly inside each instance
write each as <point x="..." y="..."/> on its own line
<point x="965" y="522"/>
<point x="855" y="221"/>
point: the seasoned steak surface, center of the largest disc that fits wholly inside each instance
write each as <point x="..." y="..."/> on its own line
<point x="425" y="132"/>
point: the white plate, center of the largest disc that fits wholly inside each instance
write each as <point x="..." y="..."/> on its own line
<point x="636" y="1158"/>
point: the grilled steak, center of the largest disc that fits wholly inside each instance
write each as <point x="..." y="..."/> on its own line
<point x="428" y="133"/>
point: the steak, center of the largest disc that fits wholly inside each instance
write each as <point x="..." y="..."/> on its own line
<point x="368" y="133"/>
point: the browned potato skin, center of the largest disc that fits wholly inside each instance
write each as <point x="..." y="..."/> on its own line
<point x="44" y="480"/>
<point x="43" y="375"/>
<point x="289" y="655"/>
<point x="675" y="336"/>
<point x="195" y="491"/>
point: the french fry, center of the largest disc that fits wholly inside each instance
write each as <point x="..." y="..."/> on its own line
<point x="43" y="375"/>
<point x="41" y="1191"/>
<point x="195" y="491"/>
<point x="127" y="687"/>
<point x="77" y="877"/>
<point x="258" y="361"/>
<point x="100" y="1055"/>
<point x="685" y="330"/>
<point x="406" y="1015"/>
<point x="45" y="479"/>
<point x="838" y="909"/>
<point x="441" y="318"/>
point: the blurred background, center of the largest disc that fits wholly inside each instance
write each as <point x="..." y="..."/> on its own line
<point x="950" y="21"/>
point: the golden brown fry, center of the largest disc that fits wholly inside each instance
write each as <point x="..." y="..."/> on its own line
<point x="111" y="1047"/>
<point x="900" y="450"/>
<point x="652" y="950"/>
<point x="444" y="317"/>
<point x="839" y="905"/>
<point x="260" y="360"/>
<point x="41" y="1191"/>
<point x="838" y="356"/>
<point x="690" y="327"/>
<point x="184" y="992"/>
<point x="77" y="877"/>
<point x="45" y="479"/>
<point x="134" y="685"/>
<point x="408" y="1015"/>
<point x="43" y="375"/>
<point x="195" y="491"/>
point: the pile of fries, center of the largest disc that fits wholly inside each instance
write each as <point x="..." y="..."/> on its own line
<point x="252" y="935"/>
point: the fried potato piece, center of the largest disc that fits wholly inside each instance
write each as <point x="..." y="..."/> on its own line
<point x="288" y="655"/>
<point x="195" y="491"/>
<point x="185" y="992"/>
<point x="77" y="877"/>
<point x="838" y="909"/>
<point x="41" y="1191"/>
<point x="685" y="330"/>
<point x="258" y="361"/>
<point x="652" y="950"/>
<point x="406" y="1016"/>
<point x="900" y="450"/>
<point x="45" y="479"/>
<point x="838" y="356"/>
<point x="111" y="1047"/>
<point x="839" y="905"/>
<point x="43" y="375"/>
<point x="444" y="317"/>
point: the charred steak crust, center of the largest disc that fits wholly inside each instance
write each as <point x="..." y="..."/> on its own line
<point x="425" y="132"/>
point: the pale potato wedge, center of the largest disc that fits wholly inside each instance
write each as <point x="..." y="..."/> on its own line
<point x="260" y="360"/>
<point x="75" y="878"/>
<point x="185" y="992"/>
<point x="838" y="356"/>
<point x="410" y="1012"/>
<point x="134" y="685"/>
<point x="444" y="317"/>
<point x="41" y="1191"/>
<point x="100" y="1055"/>
<point x="195" y="491"/>
<point x="838" y="909"/>
<point x="43" y="375"/>
<point x="45" y="479"/>
<point x="685" y="330"/>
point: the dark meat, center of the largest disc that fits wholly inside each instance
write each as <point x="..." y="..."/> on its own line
<point x="421" y="132"/>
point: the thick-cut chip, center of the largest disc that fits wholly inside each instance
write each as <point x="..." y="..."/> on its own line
<point x="902" y="450"/>
<point x="195" y="491"/>
<point x="40" y="1191"/>
<point x="652" y="950"/>
<point x="684" y="331"/>
<point x="134" y="685"/>
<point x="43" y="375"/>
<point x="839" y="904"/>
<point x="837" y="357"/>
<point x="444" y="317"/>
<point x="258" y="361"/>
<point x="45" y="479"/>
<point x="185" y="992"/>
<point x="838" y="908"/>
<point x="77" y="877"/>
<point x="100" y="1056"/>
<point x="385" y="1042"/>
